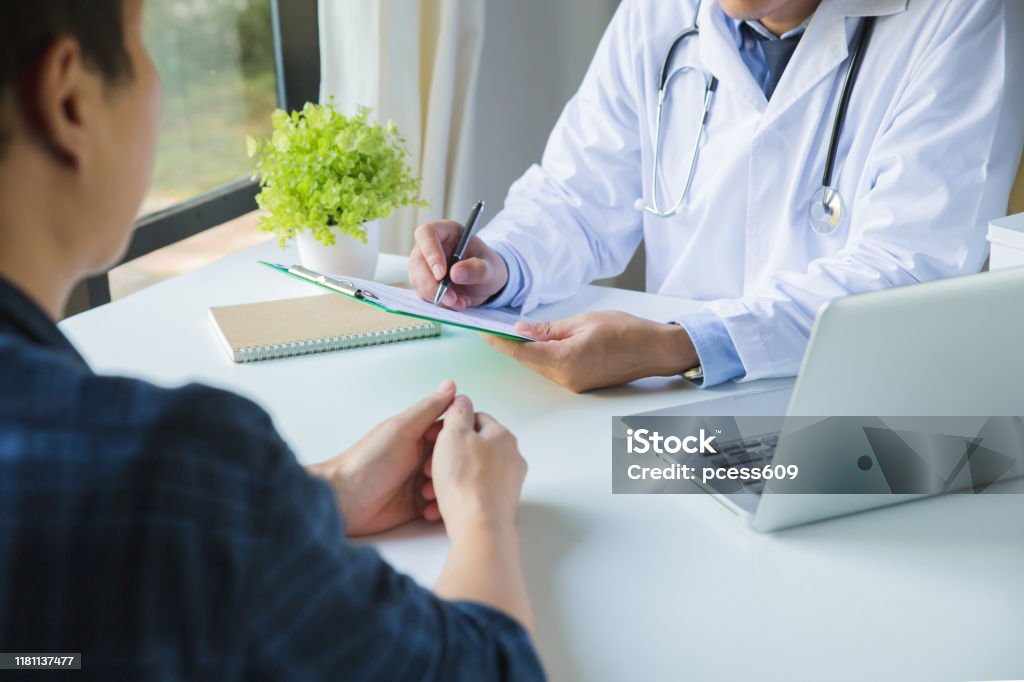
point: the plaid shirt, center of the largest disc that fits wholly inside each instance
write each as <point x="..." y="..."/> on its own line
<point x="171" y="535"/>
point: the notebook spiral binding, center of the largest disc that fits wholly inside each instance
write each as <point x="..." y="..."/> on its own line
<point x="334" y="343"/>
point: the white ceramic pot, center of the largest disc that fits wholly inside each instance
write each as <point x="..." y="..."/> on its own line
<point x="349" y="256"/>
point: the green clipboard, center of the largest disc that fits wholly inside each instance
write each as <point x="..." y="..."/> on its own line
<point x="349" y="290"/>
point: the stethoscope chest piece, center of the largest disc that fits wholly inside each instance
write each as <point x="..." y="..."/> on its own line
<point x="826" y="210"/>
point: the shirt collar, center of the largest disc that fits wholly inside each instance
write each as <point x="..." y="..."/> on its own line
<point x="758" y="27"/>
<point x="22" y="318"/>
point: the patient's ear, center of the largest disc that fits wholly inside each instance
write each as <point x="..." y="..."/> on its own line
<point x="63" y="98"/>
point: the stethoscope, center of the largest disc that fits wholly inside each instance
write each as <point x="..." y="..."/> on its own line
<point x="827" y="206"/>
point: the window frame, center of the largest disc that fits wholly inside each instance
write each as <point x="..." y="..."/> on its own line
<point x="295" y="30"/>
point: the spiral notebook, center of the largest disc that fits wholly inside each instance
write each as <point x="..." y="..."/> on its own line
<point x="312" y="324"/>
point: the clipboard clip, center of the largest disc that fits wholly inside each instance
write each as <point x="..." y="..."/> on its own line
<point x="342" y="286"/>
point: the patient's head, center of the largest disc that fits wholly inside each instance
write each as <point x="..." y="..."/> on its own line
<point x="79" y="104"/>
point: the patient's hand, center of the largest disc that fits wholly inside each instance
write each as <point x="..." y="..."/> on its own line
<point x="476" y="473"/>
<point x="379" y="481"/>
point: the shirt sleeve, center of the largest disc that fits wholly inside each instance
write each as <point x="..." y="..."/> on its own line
<point x="325" y="609"/>
<point x="715" y="348"/>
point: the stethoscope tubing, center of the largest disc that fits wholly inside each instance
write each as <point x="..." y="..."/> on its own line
<point x="710" y="85"/>
<point x="831" y="201"/>
<point x="860" y="42"/>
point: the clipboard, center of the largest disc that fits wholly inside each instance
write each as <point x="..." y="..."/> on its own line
<point x="398" y="301"/>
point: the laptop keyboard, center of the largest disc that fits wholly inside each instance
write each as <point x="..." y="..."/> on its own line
<point x="750" y="453"/>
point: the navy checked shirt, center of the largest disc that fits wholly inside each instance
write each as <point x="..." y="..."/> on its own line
<point x="171" y="535"/>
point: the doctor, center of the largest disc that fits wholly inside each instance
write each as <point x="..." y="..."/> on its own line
<point x="791" y="199"/>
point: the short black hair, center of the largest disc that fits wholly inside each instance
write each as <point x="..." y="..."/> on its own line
<point x="27" y="27"/>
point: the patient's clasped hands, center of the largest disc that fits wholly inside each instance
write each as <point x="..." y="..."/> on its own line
<point x="438" y="459"/>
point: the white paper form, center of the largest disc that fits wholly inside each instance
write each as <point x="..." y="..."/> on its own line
<point x="407" y="301"/>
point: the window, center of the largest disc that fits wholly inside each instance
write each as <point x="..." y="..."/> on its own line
<point x="225" y="66"/>
<point x="216" y="63"/>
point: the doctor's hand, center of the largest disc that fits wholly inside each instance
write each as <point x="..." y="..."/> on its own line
<point x="480" y="274"/>
<point x="600" y="349"/>
<point x="379" y="481"/>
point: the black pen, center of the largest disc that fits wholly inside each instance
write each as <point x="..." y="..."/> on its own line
<point x="460" y="250"/>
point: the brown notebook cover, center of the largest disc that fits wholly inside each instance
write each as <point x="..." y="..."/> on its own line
<point x="312" y="324"/>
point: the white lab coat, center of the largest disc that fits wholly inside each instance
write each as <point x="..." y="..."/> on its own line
<point x="927" y="157"/>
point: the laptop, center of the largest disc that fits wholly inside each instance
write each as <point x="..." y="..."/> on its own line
<point x="902" y="394"/>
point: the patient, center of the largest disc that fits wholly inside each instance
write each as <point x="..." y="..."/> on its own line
<point x="170" y="534"/>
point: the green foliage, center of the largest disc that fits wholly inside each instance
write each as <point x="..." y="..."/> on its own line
<point x="329" y="173"/>
<point x="216" y="64"/>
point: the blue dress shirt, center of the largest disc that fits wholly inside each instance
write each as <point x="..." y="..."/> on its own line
<point x="172" y="535"/>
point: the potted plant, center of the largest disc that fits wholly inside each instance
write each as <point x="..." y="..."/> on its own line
<point x="324" y="175"/>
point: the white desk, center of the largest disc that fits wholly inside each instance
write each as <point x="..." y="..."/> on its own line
<point x="624" y="587"/>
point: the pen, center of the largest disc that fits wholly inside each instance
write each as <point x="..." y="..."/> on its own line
<point x="460" y="250"/>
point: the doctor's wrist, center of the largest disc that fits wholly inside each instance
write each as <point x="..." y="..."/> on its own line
<point x="674" y="352"/>
<point x="501" y="266"/>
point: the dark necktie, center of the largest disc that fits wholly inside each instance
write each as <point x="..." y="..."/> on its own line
<point x="777" y="54"/>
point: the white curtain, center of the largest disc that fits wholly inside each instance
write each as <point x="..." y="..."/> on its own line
<point x="415" y="62"/>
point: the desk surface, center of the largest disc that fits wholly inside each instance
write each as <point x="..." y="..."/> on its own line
<point x="624" y="587"/>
